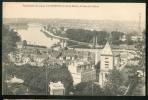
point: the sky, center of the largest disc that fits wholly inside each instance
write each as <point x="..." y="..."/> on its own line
<point x="91" y="11"/>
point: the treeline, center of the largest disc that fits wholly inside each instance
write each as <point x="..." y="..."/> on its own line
<point x="10" y="37"/>
<point x="86" y="35"/>
<point x="83" y="35"/>
<point x="35" y="77"/>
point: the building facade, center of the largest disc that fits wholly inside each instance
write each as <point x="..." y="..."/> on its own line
<point x="82" y="72"/>
<point x="56" y="88"/>
<point x="106" y="64"/>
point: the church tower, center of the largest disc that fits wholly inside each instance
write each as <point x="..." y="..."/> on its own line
<point x="106" y="63"/>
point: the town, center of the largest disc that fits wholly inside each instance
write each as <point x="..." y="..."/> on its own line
<point x="91" y="64"/>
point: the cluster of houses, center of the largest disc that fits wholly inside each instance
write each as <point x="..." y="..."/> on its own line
<point x="38" y="55"/>
<point x="133" y="37"/>
<point x="81" y="63"/>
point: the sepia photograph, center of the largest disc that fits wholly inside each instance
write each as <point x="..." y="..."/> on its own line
<point x="73" y="49"/>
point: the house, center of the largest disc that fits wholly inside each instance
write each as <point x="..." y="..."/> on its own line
<point x="15" y="80"/>
<point x="133" y="62"/>
<point x="39" y="59"/>
<point x="131" y="47"/>
<point x="131" y="54"/>
<point x="123" y="38"/>
<point x="15" y="57"/>
<point x="56" y="88"/>
<point x="82" y="71"/>
<point x="123" y="57"/>
<point x="12" y="56"/>
<point x="133" y="38"/>
<point x="140" y="37"/>
<point x="26" y="60"/>
<point x="30" y="54"/>
<point x="31" y="47"/>
<point x="20" y="45"/>
<point x="55" y="54"/>
<point x="69" y="54"/>
<point x="137" y="37"/>
<point x="116" y="61"/>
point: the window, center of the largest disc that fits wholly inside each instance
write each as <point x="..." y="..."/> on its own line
<point x="106" y="65"/>
<point x="106" y="62"/>
<point x="106" y="58"/>
<point x="106" y="75"/>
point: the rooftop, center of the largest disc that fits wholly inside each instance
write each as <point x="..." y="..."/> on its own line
<point x="106" y="50"/>
<point x="24" y="43"/>
<point x="123" y="55"/>
<point x="37" y="46"/>
<point x="15" y="80"/>
<point x="57" y="85"/>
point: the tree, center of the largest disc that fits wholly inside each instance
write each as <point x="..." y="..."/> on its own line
<point x="116" y="37"/>
<point x="97" y="67"/>
<point x="140" y="51"/>
<point x="6" y="90"/>
<point x="79" y="35"/>
<point x="140" y="55"/>
<point x="88" y="89"/>
<point x="83" y="35"/>
<point x="129" y="39"/>
<point x="34" y="77"/>
<point x="102" y="37"/>
<point x="114" y="81"/>
<point x="10" y="37"/>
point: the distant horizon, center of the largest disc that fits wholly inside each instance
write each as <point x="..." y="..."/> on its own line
<point x="78" y="19"/>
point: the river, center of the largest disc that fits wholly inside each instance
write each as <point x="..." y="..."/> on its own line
<point x="35" y="36"/>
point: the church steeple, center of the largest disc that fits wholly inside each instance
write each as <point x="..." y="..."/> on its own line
<point x="107" y="50"/>
<point x="106" y="63"/>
